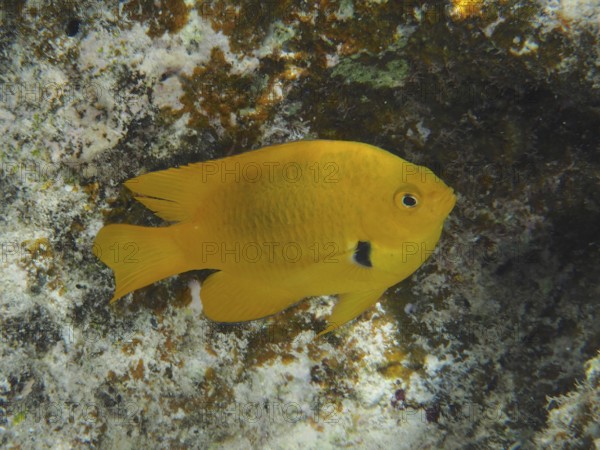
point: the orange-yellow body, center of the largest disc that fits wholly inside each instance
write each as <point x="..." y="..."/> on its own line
<point x="282" y="223"/>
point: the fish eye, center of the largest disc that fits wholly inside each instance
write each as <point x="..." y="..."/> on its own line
<point x="409" y="200"/>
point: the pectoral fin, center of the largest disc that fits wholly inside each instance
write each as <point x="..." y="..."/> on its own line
<point x="229" y="298"/>
<point x="349" y="306"/>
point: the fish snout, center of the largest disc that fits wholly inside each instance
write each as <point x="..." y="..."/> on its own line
<point x="447" y="201"/>
<point x="451" y="201"/>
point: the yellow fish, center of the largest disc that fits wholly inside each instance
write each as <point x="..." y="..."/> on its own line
<point x="283" y="223"/>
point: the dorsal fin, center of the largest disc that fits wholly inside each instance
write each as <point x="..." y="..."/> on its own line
<point x="175" y="194"/>
<point x="172" y="194"/>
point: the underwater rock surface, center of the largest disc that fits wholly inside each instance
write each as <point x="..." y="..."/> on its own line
<point x="492" y="344"/>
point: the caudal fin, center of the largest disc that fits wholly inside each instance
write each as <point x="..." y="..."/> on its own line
<point x="139" y="256"/>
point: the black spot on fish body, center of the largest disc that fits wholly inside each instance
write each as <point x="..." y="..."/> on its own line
<point x="362" y="254"/>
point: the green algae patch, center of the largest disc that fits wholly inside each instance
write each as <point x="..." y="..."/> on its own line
<point x="391" y="75"/>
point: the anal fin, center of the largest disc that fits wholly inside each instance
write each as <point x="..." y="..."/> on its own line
<point x="349" y="306"/>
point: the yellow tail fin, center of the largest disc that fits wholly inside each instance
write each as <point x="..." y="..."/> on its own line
<point x="139" y="256"/>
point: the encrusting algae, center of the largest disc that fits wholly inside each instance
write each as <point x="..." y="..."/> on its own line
<point x="283" y="223"/>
